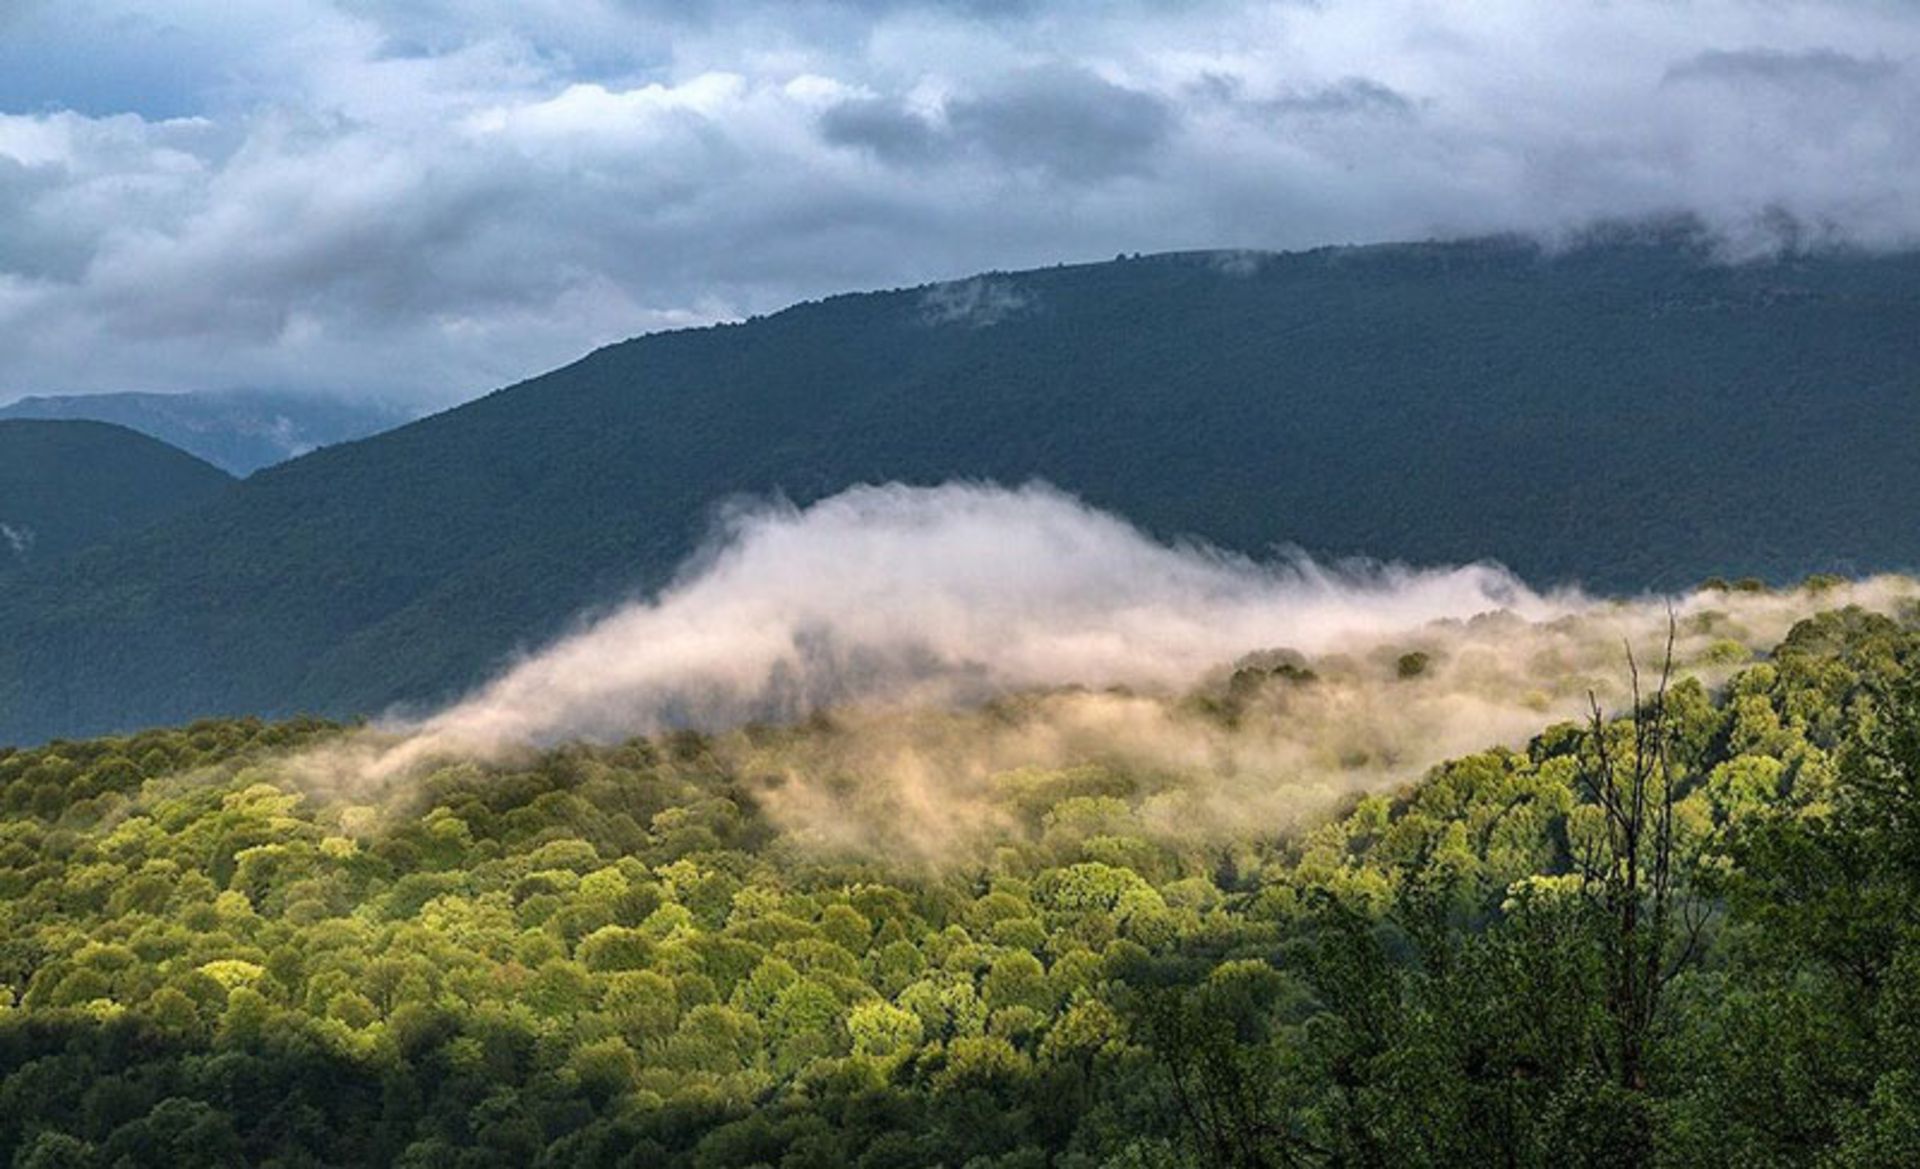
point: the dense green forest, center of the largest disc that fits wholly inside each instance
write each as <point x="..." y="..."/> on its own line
<point x="65" y="486"/>
<point x="1685" y="936"/>
<point x="1569" y="413"/>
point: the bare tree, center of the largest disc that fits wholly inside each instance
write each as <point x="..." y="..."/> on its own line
<point x="1630" y="872"/>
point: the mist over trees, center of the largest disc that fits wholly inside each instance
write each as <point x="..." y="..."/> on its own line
<point x="1431" y="403"/>
<point x="1442" y="694"/>
<point x="613" y="955"/>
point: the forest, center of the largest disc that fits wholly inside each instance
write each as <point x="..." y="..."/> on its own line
<point x="1431" y="403"/>
<point x="1682" y="930"/>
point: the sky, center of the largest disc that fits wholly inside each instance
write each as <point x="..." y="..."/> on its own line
<point x="427" y="199"/>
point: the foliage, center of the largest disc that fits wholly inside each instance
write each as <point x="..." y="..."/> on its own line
<point x="67" y="486"/>
<point x="543" y="962"/>
<point x="1433" y="403"/>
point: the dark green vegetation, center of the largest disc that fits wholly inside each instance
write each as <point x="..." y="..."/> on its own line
<point x="65" y="486"/>
<point x="1628" y="413"/>
<point x="612" y="956"/>
<point x="239" y="432"/>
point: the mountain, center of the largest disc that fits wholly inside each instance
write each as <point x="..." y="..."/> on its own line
<point x="67" y="485"/>
<point x="241" y="431"/>
<point x="1627" y="413"/>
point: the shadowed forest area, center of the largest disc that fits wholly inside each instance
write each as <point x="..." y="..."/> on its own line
<point x="1630" y="413"/>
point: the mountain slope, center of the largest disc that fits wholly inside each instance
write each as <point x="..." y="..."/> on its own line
<point x="67" y="485"/>
<point x="1626" y="413"/>
<point x="240" y="431"/>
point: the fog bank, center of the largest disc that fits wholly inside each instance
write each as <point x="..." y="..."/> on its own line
<point x="899" y="596"/>
<point x="926" y="648"/>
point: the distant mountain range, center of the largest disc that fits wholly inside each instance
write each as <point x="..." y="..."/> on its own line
<point x="1627" y="413"/>
<point x="65" y="486"/>
<point x="241" y="431"/>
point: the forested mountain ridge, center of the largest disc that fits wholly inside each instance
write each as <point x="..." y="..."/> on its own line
<point x="65" y="486"/>
<point x="617" y="956"/>
<point x="1629" y="413"/>
<point x="237" y="431"/>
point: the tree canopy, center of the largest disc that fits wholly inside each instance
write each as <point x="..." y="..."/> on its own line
<point x="615" y="955"/>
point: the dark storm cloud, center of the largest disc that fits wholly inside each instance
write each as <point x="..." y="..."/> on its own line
<point x="1064" y="120"/>
<point x="888" y="129"/>
<point x="1350" y="95"/>
<point x="1822" y="66"/>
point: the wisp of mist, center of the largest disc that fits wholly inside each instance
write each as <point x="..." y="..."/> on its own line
<point x="959" y="633"/>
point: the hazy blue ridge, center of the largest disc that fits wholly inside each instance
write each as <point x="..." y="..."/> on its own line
<point x="241" y="431"/>
<point x="1629" y="414"/>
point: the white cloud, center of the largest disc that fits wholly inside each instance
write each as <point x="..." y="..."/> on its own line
<point x="909" y="595"/>
<point x="955" y="634"/>
<point x="438" y="198"/>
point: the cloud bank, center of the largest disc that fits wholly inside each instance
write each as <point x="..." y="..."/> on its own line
<point x="907" y="597"/>
<point x="918" y="650"/>
<point x="432" y="199"/>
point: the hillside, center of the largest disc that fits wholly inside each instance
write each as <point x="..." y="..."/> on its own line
<point x="629" y="955"/>
<point x="65" y="486"/>
<point x="238" y="431"/>
<point x="1628" y="414"/>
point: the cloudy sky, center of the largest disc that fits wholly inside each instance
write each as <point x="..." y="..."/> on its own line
<point x="430" y="198"/>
